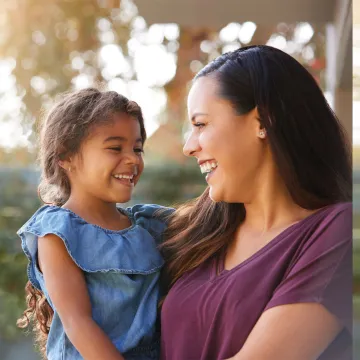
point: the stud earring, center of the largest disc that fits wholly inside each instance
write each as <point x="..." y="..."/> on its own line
<point x="262" y="133"/>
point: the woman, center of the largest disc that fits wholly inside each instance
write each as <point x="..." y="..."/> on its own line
<point x="260" y="263"/>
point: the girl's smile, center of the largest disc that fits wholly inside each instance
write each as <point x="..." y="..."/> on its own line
<point x="110" y="162"/>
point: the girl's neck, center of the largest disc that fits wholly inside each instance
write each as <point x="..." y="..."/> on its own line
<point x="98" y="212"/>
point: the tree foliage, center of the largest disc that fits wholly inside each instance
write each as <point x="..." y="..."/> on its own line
<point x="18" y="201"/>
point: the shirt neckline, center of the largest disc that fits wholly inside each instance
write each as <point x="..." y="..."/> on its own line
<point x="218" y="266"/>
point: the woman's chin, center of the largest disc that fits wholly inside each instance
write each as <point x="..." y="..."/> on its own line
<point x="214" y="195"/>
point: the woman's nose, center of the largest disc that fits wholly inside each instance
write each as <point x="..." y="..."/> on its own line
<point x="191" y="146"/>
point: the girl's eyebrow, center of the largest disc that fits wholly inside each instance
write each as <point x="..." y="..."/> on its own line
<point x="119" y="138"/>
<point x="197" y="114"/>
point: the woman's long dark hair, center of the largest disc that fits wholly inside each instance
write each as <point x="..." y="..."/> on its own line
<point x="306" y="139"/>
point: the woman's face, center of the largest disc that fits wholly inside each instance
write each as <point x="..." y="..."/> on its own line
<point x="230" y="148"/>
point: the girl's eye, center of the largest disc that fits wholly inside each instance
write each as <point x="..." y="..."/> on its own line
<point x="199" y="125"/>
<point x="139" y="151"/>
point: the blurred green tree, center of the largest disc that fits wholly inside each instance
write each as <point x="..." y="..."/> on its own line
<point x="18" y="201"/>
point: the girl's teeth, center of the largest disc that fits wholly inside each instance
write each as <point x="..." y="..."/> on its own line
<point x="124" y="176"/>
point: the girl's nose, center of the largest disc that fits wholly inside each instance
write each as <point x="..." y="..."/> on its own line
<point x="133" y="158"/>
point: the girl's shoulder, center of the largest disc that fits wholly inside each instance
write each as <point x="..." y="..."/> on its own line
<point x="93" y="248"/>
<point x="154" y="218"/>
<point x="50" y="218"/>
<point x="151" y="212"/>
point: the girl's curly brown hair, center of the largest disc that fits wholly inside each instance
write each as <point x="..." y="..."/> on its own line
<point x="61" y="134"/>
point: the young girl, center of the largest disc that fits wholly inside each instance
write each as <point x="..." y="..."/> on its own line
<point x="93" y="268"/>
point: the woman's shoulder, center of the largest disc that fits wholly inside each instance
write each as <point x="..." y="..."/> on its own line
<point x="328" y="229"/>
<point x="336" y="218"/>
<point x="340" y="208"/>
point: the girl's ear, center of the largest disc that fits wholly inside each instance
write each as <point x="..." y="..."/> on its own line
<point x="65" y="164"/>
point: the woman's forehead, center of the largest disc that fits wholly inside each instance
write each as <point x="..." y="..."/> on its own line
<point x="203" y="90"/>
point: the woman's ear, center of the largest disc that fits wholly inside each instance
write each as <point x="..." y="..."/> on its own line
<point x="260" y="130"/>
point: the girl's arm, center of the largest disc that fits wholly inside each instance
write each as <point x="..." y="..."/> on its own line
<point x="67" y="289"/>
<point x="295" y="331"/>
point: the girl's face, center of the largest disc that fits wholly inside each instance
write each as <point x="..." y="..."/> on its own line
<point x="231" y="148"/>
<point x="110" y="161"/>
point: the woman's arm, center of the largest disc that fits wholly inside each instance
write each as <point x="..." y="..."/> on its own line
<point x="67" y="289"/>
<point x="295" y="331"/>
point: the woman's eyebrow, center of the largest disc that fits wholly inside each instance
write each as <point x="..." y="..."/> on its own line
<point x="193" y="117"/>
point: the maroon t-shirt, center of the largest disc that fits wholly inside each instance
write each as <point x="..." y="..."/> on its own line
<point x="208" y="315"/>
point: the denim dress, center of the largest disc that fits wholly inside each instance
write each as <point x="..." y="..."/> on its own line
<point x="121" y="269"/>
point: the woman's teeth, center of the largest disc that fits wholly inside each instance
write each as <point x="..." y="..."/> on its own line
<point x="208" y="166"/>
<point x="120" y="176"/>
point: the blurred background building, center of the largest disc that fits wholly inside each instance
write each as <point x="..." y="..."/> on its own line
<point x="148" y="51"/>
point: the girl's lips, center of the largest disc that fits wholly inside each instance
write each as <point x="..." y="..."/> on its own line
<point x="125" y="182"/>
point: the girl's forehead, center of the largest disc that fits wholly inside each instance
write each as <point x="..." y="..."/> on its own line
<point x="119" y="125"/>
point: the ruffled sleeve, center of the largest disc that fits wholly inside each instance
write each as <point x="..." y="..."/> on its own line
<point x="151" y="217"/>
<point x="95" y="249"/>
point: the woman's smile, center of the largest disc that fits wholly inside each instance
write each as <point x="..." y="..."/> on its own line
<point x="208" y="167"/>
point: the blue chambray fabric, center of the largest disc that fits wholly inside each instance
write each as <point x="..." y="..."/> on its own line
<point x="121" y="268"/>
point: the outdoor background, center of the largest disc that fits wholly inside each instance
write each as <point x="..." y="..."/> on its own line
<point x="51" y="46"/>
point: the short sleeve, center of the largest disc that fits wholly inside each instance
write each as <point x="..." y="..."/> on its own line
<point x="152" y="217"/>
<point x="92" y="248"/>
<point x="322" y="272"/>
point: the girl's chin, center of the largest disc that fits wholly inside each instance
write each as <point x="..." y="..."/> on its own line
<point x="123" y="198"/>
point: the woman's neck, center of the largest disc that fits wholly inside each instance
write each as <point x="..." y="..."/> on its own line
<point x="272" y="205"/>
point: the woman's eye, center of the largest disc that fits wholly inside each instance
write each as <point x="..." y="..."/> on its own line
<point x="199" y="125"/>
<point x="139" y="150"/>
